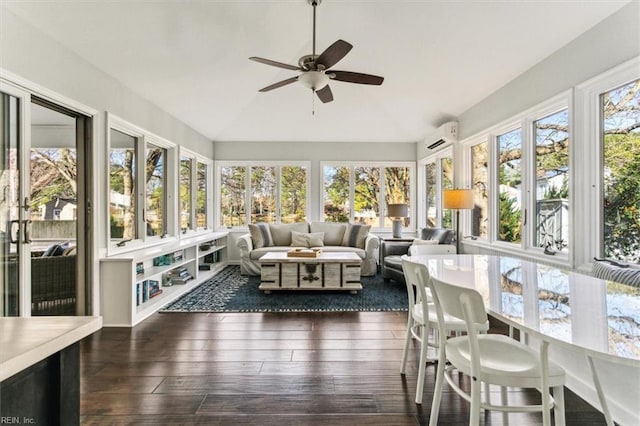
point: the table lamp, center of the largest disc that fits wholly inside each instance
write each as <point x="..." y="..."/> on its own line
<point x="397" y="212"/>
<point x="458" y="199"/>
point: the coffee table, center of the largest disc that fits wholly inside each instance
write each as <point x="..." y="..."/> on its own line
<point x="328" y="271"/>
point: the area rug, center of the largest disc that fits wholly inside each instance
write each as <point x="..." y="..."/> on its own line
<point x="229" y="291"/>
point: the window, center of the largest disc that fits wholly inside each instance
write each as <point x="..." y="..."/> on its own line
<point x="267" y="192"/>
<point x="620" y="112"/>
<point x="480" y="185"/>
<point x="509" y="184"/>
<point x="354" y="192"/>
<point x="194" y="192"/>
<point x="156" y="202"/>
<point x="552" y="183"/>
<point x="186" y="169"/>
<point x="438" y="175"/>
<point x="202" y="195"/>
<point x="519" y="172"/>
<point x="122" y="186"/>
<point x="293" y="194"/>
<point x="263" y="194"/>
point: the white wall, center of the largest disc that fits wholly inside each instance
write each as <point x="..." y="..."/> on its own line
<point x="32" y="55"/>
<point x="612" y="42"/>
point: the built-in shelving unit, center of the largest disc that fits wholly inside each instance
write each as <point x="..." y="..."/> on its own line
<point x="136" y="284"/>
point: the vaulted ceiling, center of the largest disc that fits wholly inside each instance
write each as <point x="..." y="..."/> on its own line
<point x="191" y="58"/>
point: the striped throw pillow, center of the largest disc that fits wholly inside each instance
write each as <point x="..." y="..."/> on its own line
<point x="356" y="235"/>
<point x="629" y="274"/>
<point x="261" y="235"/>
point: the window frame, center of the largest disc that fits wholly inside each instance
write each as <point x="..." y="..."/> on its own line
<point x="352" y="165"/>
<point x="218" y="165"/>
<point x="193" y="193"/>
<point x="436" y="158"/>
<point x="589" y="131"/>
<point x="143" y="138"/>
<point x="525" y="121"/>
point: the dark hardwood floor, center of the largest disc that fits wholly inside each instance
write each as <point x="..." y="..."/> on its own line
<point x="269" y="369"/>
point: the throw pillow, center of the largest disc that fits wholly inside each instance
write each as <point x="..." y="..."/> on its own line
<point x="261" y="235"/>
<point x="300" y="239"/>
<point x="356" y="235"/>
<point x="56" y="249"/>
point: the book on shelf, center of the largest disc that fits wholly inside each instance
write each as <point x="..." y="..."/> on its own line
<point x="140" y="268"/>
<point x="145" y="291"/>
<point x="205" y="267"/>
<point x="181" y="280"/>
<point x="138" y="298"/>
<point x="178" y="256"/>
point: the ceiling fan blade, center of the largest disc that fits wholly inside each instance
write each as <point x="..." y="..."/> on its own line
<point x="333" y="54"/>
<point x="356" y="77"/>
<point x="275" y="63"/>
<point x="279" y="84"/>
<point x="325" y="94"/>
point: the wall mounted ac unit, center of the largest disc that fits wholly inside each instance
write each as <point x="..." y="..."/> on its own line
<point x="444" y="136"/>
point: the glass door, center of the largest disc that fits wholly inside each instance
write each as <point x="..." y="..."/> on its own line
<point x="11" y="236"/>
<point x="43" y="205"/>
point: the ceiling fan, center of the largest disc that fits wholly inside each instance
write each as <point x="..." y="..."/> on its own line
<point x="316" y="71"/>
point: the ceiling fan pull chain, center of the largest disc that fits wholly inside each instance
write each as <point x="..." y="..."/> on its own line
<point x="313" y="102"/>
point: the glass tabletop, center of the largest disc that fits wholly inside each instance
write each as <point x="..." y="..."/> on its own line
<point x="562" y="306"/>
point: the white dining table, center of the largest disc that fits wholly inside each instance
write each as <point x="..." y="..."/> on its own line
<point x="592" y="318"/>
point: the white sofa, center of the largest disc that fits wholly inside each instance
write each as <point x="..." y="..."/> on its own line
<point x="336" y="237"/>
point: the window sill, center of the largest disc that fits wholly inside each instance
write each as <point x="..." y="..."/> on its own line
<point x="560" y="260"/>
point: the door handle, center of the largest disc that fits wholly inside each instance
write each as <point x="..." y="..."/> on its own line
<point x="11" y="234"/>
<point x="27" y="231"/>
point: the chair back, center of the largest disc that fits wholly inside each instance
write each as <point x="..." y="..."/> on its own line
<point x="460" y="302"/>
<point x="419" y="249"/>
<point x="416" y="276"/>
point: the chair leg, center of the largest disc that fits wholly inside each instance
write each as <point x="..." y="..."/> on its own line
<point x="558" y="408"/>
<point x="423" y="363"/>
<point x="546" y="406"/>
<point x="407" y="340"/>
<point x="437" y="390"/>
<point x="474" y="416"/>
<point x="504" y="400"/>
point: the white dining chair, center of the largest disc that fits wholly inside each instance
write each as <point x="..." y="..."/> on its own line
<point x="422" y="319"/>
<point x="490" y="359"/>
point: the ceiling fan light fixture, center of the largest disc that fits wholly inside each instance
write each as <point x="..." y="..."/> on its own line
<point x="314" y="80"/>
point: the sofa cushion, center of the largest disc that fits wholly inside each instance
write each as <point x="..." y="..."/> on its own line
<point x="258" y="253"/>
<point x="261" y="235"/>
<point x="341" y="249"/>
<point x="333" y="231"/>
<point x="281" y="234"/>
<point x="356" y="235"/>
<point x="300" y="239"/>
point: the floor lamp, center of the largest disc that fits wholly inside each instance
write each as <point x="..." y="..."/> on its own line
<point x="397" y="212"/>
<point x="458" y="199"/>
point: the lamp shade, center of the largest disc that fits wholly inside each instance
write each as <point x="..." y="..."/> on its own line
<point x="458" y="199"/>
<point x="397" y="210"/>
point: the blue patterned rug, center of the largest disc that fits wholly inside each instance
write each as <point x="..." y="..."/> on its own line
<point x="229" y="291"/>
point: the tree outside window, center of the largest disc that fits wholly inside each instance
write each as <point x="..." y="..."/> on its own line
<point x="621" y="175"/>
<point x="510" y="182"/>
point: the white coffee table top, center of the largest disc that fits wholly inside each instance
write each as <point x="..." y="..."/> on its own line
<point x="328" y="257"/>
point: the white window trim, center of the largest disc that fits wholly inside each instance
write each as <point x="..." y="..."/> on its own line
<point x="116" y="123"/>
<point x="435" y="157"/>
<point x="195" y="159"/>
<point x="588" y="131"/>
<point x="278" y="165"/>
<point x="524" y="121"/>
<point x="381" y="164"/>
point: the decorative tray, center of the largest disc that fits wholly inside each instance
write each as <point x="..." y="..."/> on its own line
<point x="304" y="252"/>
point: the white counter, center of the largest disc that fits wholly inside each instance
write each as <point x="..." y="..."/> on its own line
<point x="26" y="341"/>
